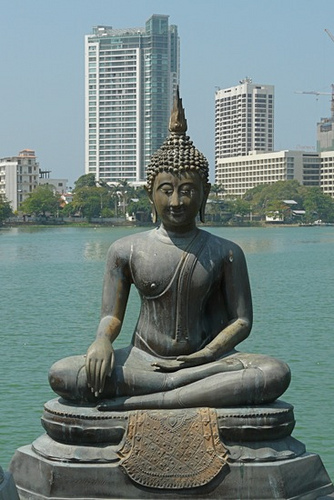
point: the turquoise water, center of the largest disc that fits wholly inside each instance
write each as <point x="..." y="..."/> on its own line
<point x="51" y="281"/>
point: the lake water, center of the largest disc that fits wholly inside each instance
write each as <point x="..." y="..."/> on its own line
<point x="51" y="281"/>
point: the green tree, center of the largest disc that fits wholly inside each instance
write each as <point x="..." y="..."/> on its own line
<point x="240" y="208"/>
<point x="109" y="209"/>
<point x="5" y="209"/>
<point x="140" y="205"/>
<point x="92" y="201"/>
<point x="216" y="190"/>
<point x="124" y="192"/>
<point x="68" y="209"/>
<point x="317" y="205"/>
<point x="278" y="191"/>
<point x="86" y="180"/>
<point x="215" y="204"/>
<point x="42" y="200"/>
<point x="93" y="198"/>
<point x="268" y="198"/>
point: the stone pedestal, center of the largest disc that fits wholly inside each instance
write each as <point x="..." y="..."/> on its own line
<point x="236" y="453"/>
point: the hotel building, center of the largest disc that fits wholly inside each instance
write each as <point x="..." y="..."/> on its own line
<point x="244" y="119"/>
<point x="239" y="174"/>
<point x="327" y="172"/>
<point x="131" y="77"/>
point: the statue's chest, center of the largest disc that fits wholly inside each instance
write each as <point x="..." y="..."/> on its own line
<point x="173" y="270"/>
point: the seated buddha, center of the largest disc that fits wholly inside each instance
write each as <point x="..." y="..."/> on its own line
<point x="196" y="306"/>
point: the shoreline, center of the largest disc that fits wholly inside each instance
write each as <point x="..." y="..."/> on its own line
<point x="129" y="224"/>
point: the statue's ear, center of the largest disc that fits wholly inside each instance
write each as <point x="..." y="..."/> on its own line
<point x="154" y="210"/>
<point x="207" y="188"/>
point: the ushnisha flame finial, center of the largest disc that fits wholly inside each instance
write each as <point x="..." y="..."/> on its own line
<point x="177" y="121"/>
<point x="177" y="154"/>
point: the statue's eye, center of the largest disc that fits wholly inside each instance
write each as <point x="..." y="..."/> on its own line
<point x="167" y="191"/>
<point x="187" y="191"/>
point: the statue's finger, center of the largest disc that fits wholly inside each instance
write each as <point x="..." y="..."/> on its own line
<point x="156" y="365"/>
<point x="88" y="372"/>
<point x="102" y="376"/>
<point x="97" y="372"/>
<point x="112" y="360"/>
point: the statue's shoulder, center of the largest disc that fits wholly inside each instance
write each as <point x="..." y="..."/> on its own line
<point x="124" y="246"/>
<point x="221" y="245"/>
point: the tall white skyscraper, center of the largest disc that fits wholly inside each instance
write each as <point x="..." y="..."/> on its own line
<point x="131" y="77"/>
<point x="244" y="119"/>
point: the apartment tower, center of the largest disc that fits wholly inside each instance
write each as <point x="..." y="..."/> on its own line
<point x="131" y="77"/>
<point x="244" y="119"/>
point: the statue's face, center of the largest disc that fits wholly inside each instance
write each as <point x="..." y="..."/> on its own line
<point x="178" y="198"/>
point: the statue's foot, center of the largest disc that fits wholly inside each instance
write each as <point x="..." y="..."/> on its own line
<point x="116" y="404"/>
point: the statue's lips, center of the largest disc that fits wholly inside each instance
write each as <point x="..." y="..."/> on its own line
<point x="178" y="211"/>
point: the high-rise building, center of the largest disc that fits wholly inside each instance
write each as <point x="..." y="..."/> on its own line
<point x="325" y="135"/>
<point x="325" y="130"/>
<point x="244" y="119"/>
<point x="131" y="76"/>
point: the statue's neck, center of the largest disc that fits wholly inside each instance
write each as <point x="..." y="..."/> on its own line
<point x="176" y="237"/>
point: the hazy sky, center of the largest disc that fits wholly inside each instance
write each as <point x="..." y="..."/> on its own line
<point x="279" y="42"/>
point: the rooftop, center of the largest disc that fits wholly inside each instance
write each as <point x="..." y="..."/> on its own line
<point x="110" y="31"/>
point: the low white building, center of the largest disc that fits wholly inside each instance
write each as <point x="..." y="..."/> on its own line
<point x="19" y="176"/>
<point x="59" y="185"/>
<point x="327" y="172"/>
<point x="240" y="173"/>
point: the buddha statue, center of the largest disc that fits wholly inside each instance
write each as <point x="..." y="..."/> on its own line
<point x="196" y="306"/>
<point x="180" y="412"/>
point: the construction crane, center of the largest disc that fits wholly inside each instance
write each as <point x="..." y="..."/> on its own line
<point x="315" y="92"/>
<point x="331" y="36"/>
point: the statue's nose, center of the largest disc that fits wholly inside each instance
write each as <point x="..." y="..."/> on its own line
<point x="175" y="200"/>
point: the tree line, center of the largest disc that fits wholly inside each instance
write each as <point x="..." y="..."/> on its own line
<point x="93" y="199"/>
<point x="286" y="201"/>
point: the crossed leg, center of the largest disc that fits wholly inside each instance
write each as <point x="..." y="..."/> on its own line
<point x="236" y="379"/>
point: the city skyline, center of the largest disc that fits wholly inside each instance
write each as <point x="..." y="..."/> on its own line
<point x="278" y="43"/>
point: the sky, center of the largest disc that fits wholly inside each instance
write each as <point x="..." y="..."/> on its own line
<point x="277" y="42"/>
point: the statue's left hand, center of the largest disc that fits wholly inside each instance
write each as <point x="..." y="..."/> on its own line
<point x="197" y="358"/>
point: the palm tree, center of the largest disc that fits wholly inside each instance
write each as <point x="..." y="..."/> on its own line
<point x="124" y="192"/>
<point x="216" y="190"/>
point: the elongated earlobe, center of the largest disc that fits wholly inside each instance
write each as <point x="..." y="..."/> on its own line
<point x="154" y="214"/>
<point x="154" y="210"/>
<point x="202" y="211"/>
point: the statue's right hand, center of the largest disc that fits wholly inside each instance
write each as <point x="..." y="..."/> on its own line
<point x="99" y="362"/>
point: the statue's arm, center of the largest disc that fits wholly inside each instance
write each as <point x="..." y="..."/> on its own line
<point x="236" y="292"/>
<point x="116" y="287"/>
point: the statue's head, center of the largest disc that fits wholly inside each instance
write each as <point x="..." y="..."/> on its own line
<point x="178" y="157"/>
